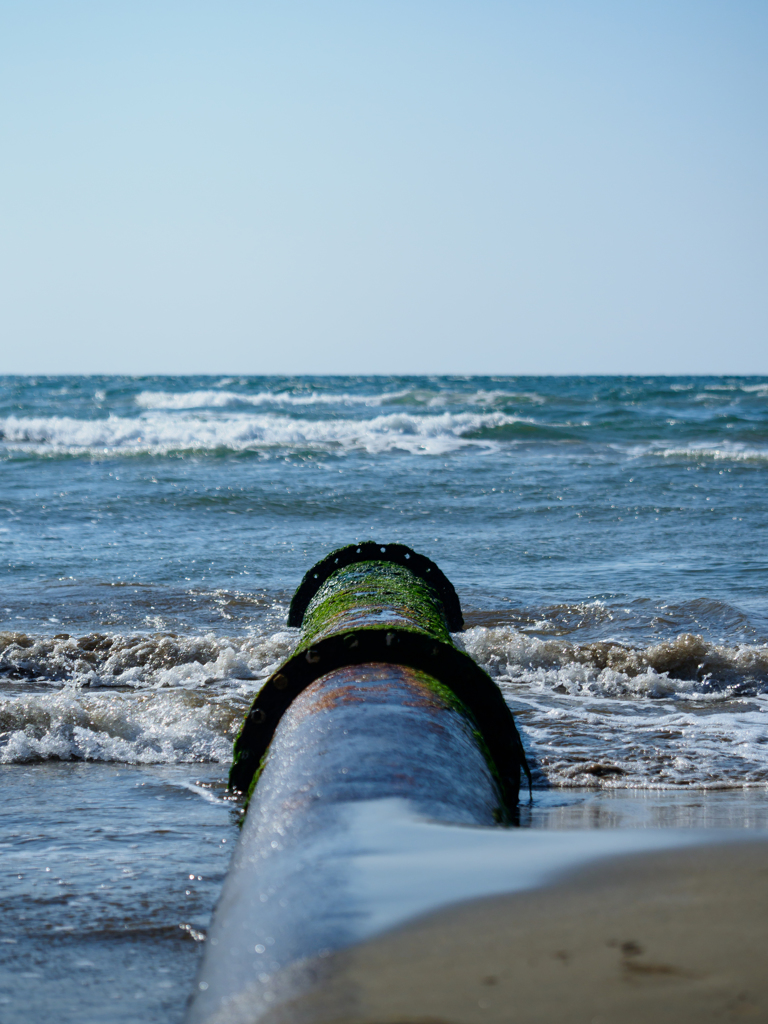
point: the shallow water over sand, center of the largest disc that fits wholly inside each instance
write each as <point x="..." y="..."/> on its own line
<point x="102" y="920"/>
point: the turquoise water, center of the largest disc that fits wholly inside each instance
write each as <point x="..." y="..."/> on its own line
<point x="608" y="538"/>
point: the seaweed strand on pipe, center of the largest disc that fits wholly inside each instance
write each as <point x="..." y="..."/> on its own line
<point x="376" y="709"/>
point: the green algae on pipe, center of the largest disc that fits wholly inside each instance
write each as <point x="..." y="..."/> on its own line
<point x="369" y="551"/>
<point x="372" y="603"/>
<point x="374" y="595"/>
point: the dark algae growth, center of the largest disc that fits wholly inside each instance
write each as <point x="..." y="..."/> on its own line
<point x="357" y="610"/>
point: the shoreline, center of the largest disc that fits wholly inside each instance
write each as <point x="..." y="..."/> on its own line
<point x="667" y="937"/>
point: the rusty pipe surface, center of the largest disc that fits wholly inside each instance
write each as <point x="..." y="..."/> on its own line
<point x="327" y="743"/>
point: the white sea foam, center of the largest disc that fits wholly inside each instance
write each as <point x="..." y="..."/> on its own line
<point x="100" y="660"/>
<point x="722" y="452"/>
<point x="222" y="399"/>
<point x="137" y="700"/>
<point x="578" y="743"/>
<point x="679" y="712"/>
<point x="725" y="450"/>
<point x="206" y="399"/>
<point x="686" y="667"/>
<point x="159" y="433"/>
<point x="603" y="714"/>
<point x="480" y="398"/>
<point x="152" y="728"/>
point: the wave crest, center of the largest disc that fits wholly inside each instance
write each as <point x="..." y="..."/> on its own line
<point x="158" y="433"/>
<point x="678" y="712"/>
<point x="227" y="399"/>
<point x="151" y="729"/>
<point x="686" y="667"/>
<point x="185" y="697"/>
<point x="104" y="660"/>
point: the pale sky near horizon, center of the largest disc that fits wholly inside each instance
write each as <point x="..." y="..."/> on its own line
<point x="354" y="186"/>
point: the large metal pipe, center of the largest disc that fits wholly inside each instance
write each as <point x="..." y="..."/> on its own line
<point x="376" y="703"/>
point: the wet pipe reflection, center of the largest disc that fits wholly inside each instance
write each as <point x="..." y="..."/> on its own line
<point x="376" y="703"/>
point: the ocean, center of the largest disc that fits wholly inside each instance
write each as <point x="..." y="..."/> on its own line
<point x="607" y="536"/>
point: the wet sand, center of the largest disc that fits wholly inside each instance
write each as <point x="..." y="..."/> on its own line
<point x="662" y="938"/>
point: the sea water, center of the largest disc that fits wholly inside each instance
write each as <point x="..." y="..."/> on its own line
<point x="608" y="538"/>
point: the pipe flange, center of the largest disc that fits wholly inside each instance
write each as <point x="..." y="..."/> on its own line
<point x="368" y="551"/>
<point x="446" y="663"/>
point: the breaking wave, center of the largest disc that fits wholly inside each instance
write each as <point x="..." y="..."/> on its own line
<point x="132" y="699"/>
<point x="227" y="399"/>
<point x="158" y="433"/>
<point x="729" y="451"/>
<point x="219" y="399"/>
<point x="680" y="712"/>
<point x="99" y="660"/>
<point x="685" y="668"/>
<point x="152" y="728"/>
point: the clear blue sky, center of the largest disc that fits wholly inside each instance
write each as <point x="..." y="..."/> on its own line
<point x="346" y="186"/>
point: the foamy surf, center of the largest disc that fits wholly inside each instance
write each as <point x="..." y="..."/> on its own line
<point x="150" y="728"/>
<point x="103" y="660"/>
<point x="619" y="747"/>
<point x="210" y="399"/>
<point x="134" y="700"/>
<point x="160" y="434"/>
<point x="223" y="399"/>
<point x="681" y="712"/>
<point x="686" y="667"/>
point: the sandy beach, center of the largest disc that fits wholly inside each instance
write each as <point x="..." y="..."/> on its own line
<point x="676" y="936"/>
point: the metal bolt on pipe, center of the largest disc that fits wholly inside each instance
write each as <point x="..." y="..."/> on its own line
<point x="377" y="703"/>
